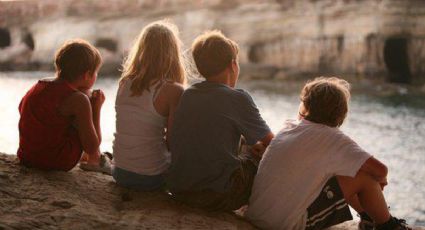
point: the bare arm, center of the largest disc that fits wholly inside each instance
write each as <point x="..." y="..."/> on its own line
<point x="259" y="148"/>
<point x="174" y="100"/>
<point x="96" y="101"/>
<point x="79" y="106"/>
<point x="267" y="139"/>
<point x="166" y="104"/>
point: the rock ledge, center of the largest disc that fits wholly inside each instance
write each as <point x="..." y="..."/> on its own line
<point x="30" y="198"/>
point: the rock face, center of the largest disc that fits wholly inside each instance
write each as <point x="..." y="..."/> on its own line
<point x="291" y="37"/>
<point x="30" y="199"/>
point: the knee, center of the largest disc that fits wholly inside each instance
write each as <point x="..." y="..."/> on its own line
<point x="366" y="182"/>
<point x="365" y="178"/>
<point x="353" y="185"/>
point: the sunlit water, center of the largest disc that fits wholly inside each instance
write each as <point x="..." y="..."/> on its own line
<point x="390" y="127"/>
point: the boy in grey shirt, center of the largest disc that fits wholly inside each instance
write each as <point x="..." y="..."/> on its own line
<point x="206" y="170"/>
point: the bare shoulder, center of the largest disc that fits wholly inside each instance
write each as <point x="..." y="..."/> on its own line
<point x="174" y="87"/>
<point x="76" y="102"/>
<point x="79" y="98"/>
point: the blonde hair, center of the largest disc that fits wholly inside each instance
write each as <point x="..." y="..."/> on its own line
<point x="325" y="100"/>
<point x="155" y="56"/>
<point x="213" y="52"/>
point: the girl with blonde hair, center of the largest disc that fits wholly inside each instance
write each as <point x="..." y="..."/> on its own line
<point x="149" y="91"/>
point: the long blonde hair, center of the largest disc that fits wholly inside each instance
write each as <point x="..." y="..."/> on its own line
<point x="155" y="57"/>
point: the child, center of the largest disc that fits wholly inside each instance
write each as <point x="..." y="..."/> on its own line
<point x="206" y="170"/>
<point x="148" y="94"/>
<point x="311" y="170"/>
<point x="58" y="120"/>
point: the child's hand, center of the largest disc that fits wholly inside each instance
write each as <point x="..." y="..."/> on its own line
<point x="258" y="149"/>
<point x="97" y="98"/>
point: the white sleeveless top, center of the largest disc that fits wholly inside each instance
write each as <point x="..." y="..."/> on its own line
<point x="139" y="144"/>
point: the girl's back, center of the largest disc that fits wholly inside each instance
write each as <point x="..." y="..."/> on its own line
<point x="139" y="144"/>
<point x="149" y="92"/>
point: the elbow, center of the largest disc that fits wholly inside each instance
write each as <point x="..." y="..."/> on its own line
<point x="375" y="168"/>
<point x="381" y="171"/>
<point x="384" y="170"/>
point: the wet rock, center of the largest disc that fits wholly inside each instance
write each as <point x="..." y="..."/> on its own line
<point x="258" y="71"/>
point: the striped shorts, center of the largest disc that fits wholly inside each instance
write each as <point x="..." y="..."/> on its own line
<point x="329" y="208"/>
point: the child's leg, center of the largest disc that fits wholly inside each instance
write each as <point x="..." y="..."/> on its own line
<point x="355" y="203"/>
<point x="93" y="158"/>
<point x="85" y="157"/>
<point x="369" y="195"/>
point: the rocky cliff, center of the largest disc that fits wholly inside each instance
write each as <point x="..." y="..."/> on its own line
<point x="279" y="38"/>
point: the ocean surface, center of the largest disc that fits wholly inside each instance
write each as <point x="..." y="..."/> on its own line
<point x="388" y="121"/>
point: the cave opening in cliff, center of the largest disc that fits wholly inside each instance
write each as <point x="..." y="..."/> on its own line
<point x="396" y="59"/>
<point x="29" y="41"/>
<point x="255" y="53"/>
<point x="5" y="39"/>
<point x="107" y="43"/>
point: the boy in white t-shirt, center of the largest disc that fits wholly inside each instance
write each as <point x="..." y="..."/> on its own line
<point x="311" y="170"/>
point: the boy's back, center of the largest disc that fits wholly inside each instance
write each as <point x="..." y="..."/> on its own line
<point x="206" y="134"/>
<point x="47" y="139"/>
<point x="58" y="119"/>
<point x="296" y="165"/>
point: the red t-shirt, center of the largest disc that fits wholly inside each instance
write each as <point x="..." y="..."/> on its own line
<point x="47" y="139"/>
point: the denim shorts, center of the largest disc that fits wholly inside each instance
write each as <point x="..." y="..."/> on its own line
<point x="137" y="181"/>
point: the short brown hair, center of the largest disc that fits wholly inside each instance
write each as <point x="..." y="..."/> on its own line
<point x="75" y="58"/>
<point x="325" y="101"/>
<point x="213" y="52"/>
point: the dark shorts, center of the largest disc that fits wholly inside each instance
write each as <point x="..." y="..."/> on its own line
<point x="329" y="208"/>
<point x="237" y="195"/>
<point x="136" y="181"/>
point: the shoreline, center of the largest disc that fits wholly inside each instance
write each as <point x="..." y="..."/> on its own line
<point x="369" y="84"/>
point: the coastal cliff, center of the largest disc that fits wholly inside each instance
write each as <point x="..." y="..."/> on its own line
<point x="279" y="39"/>
<point x="30" y="199"/>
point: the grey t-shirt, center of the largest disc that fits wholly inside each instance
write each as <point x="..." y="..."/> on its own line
<point x="207" y="128"/>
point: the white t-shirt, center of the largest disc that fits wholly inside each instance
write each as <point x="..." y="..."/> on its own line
<point x="295" y="167"/>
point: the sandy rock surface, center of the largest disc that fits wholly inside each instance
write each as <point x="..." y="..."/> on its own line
<point x="31" y="199"/>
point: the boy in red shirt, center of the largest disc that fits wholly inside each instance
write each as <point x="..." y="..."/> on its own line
<point x="60" y="118"/>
